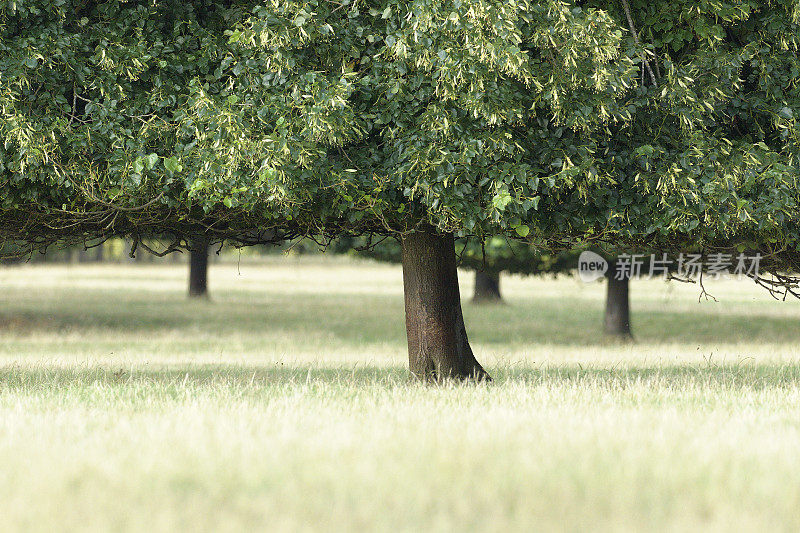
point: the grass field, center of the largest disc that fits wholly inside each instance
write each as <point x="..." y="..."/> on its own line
<point x="283" y="404"/>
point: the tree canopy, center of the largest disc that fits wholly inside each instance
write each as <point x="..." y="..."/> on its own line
<point x="318" y="116"/>
<point x="659" y="124"/>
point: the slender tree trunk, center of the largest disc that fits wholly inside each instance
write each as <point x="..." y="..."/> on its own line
<point x="198" y="269"/>
<point x="438" y="347"/>
<point x="618" y="317"/>
<point x="487" y="288"/>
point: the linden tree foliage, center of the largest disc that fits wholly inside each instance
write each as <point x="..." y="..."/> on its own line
<point x="656" y="123"/>
<point x="710" y="157"/>
<point x="353" y="116"/>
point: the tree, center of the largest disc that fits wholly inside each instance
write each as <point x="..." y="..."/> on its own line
<point x="198" y="268"/>
<point x="437" y="338"/>
<point x="494" y="256"/>
<point x="487" y="287"/>
<point x="617" y="316"/>
<point x="642" y="125"/>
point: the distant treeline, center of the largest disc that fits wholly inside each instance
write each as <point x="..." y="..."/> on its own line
<point x="119" y="251"/>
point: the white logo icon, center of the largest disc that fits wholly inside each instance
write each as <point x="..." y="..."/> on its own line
<point x="591" y="266"/>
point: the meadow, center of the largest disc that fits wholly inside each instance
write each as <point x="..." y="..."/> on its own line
<point x="283" y="403"/>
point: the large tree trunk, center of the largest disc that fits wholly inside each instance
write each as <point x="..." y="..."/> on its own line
<point x="438" y="347"/>
<point x="198" y="269"/>
<point x="487" y="288"/>
<point x="618" y="316"/>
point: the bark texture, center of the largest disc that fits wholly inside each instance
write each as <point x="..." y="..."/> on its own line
<point x="487" y="288"/>
<point x="198" y="269"/>
<point x="618" y="316"/>
<point x="438" y="347"/>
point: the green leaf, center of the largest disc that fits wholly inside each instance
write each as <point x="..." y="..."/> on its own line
<point x="501" y="200"/>
<point x="173" y="165"/>
<point x="138" y="165"/>
<point x="150" y="161"/>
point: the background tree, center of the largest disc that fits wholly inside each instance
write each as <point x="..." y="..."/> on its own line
<point x="495" y="256"/>
<point x="198" y="268"/>
<point x="617" y="315"/>
<point x="487" y="288"/>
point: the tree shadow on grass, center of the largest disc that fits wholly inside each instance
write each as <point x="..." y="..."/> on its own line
<point x="240" y="378"/>
<point x="581" y="326"/>
<point x="379" y="319"/>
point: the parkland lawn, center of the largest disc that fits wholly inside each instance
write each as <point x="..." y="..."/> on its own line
<point x="283" y="403"/>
